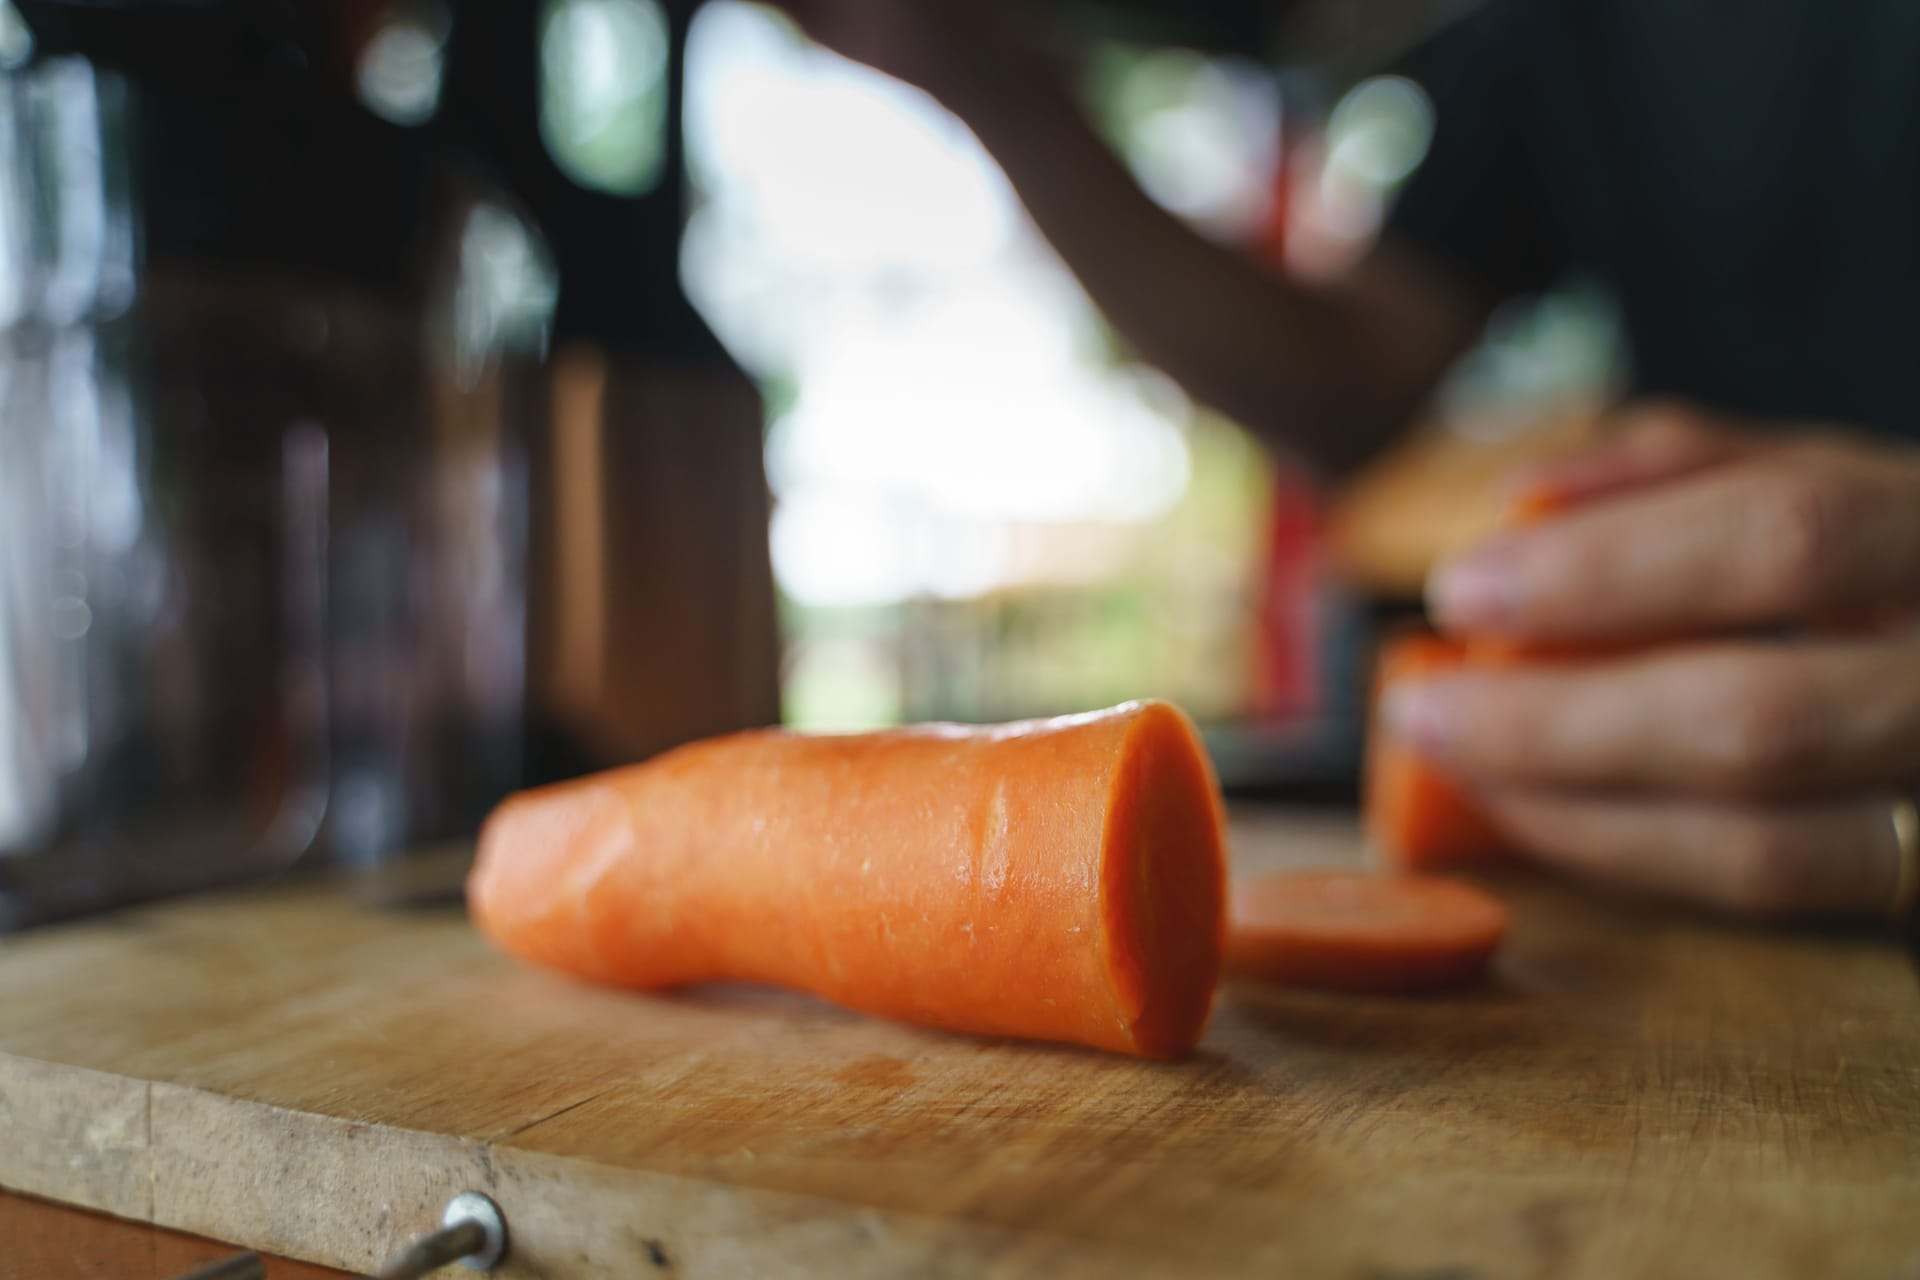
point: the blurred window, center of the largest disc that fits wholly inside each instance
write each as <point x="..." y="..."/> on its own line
<point x="603" y="99"/>
<point x="984" y="508"/>
<point x="16" y="38"/>
<point x="401" y="65"/>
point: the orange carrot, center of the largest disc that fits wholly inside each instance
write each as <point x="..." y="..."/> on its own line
<point x="1054" y="879"/>
<point x="1416" y="816"/>
<point x="1349" y="931"/>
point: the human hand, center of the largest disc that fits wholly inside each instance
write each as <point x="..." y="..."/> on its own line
<point x="1754" y="767"/>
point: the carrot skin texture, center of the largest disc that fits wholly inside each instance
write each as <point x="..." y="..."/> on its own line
<point x="1056" y="880"/>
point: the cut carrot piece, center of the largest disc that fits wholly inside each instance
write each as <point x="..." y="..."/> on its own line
<point x="1055" y="879"/>
<point x="1349" y="931"/>
<point x="1416" y="816"/>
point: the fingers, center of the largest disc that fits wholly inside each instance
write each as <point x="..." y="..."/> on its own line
<point x="1713" y="720"/>
<point x="1794" y="533"/>
<point x="1731" y="774"/>
<point x="1660" y="440"/>
<point x="1831" y="860"/>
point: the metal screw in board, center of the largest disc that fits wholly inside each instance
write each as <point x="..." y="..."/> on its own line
<point x="473" y="1232"/>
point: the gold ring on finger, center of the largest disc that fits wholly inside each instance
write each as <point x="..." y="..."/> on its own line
<point x="1906" y="834"/>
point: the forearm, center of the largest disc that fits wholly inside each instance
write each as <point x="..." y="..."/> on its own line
<point x="1329" y="372"/>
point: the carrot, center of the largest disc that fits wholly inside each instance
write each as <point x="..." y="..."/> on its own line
<point x="1053" y="879"/>
<point x="1349" y="931"/>
<point x="1416" y="816"/>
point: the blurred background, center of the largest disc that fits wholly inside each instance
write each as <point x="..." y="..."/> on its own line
<point x="405" y="402"/>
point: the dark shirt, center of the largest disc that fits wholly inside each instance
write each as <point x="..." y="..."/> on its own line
<point x="1742" y="175"/>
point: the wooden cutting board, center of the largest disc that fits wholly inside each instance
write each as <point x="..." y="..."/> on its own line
<point x="1634" y="1094"/>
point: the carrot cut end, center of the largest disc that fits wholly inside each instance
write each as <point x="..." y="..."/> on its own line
<point x="1163" y="887"/>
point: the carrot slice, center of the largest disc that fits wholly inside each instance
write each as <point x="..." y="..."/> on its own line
<point x="1349" y="931"/>
<point x="1055" y="879"/>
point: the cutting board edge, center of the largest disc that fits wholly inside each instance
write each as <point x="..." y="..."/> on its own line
<point x="346" y="1193"/>
<point x="77" y="1136"/>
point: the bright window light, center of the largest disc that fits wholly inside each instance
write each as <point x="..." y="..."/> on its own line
<point x="603" y="99"/>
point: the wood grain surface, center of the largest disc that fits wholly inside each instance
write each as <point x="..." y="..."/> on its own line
<point x="1635" y="1093"/>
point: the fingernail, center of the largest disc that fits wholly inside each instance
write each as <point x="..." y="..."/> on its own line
<point x="1422" y="714"/>
<point x="1480" y="589"/>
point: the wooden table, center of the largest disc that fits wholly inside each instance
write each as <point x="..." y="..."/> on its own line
<point x="1635" y="1093"/>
